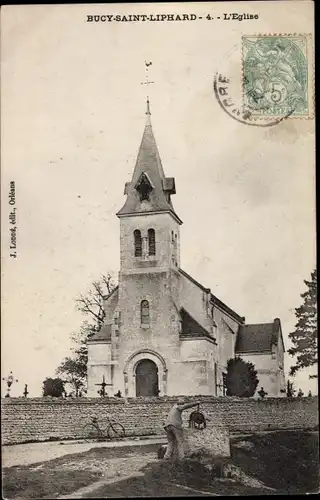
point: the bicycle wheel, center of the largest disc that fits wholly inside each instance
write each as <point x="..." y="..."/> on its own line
<point x="91" y="432"/>
<point x="116" y="431"/>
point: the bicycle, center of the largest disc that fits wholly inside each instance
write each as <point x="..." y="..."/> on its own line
<point x="93" y="430"/>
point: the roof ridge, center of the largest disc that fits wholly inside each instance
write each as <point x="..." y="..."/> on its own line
<point x="215" y="299"/>
<point x="257" y="324"/>
<point x="106" y="297"/>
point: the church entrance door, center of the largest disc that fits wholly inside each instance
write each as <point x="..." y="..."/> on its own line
<point x="147" y="383"/>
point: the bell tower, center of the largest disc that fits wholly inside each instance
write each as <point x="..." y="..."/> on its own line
<point x="149" y="273"/>
<point x="149" y="226"/>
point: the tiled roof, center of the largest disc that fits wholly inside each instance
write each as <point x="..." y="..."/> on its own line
<point x="257" y="337"/>
<point x="149" y="163"/>
<point x="191" y="328"/>
<point x="103" y="334"/>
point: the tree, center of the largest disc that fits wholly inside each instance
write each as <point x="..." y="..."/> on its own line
<point x="241" y="379"/>
<point x="74" y="368"/>
<point x="290" y="389"/>
<point x="92" y="304"/>
<point x="53" y="387"/>
<point x="74" y="372"/>
<point x="304" y="337"/>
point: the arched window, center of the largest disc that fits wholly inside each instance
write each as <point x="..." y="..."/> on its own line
<point x="152" y="241"/>
<point x="137" y="243"/>
<point x="145" y="313"/>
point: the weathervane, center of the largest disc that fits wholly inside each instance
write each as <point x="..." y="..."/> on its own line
<point x="147" y="82"/>
<point x="10" y="379"/>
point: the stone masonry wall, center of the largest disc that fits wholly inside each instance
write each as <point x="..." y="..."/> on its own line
<point x="214" y="440"/>
<point x="41" y="419"/>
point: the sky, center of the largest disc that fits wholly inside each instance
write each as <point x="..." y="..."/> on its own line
<point x="73" y="114"/>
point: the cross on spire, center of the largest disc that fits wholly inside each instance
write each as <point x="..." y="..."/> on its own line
<point x="147" y="82"/>
<point x="148" y="176"/>
<point x="147" y="65"/>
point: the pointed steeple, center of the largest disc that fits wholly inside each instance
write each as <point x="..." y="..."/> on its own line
<point x="149" y="190"/>
<point x="148" y="113"/>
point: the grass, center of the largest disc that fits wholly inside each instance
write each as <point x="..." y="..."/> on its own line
<point x="285" y="461"/>
<point x="155" y="487"/>
<point x="26" y="483"/>
<point x="165" y="480"/>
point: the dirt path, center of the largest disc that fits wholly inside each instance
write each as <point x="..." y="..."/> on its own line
<point x="75" y="468"/>
<point x="113" y="469"/>
<point x="108" y="472"/>
<point x="170" y="489"/>
<point x="116" y="470"/>
<point x="31" y="453"/>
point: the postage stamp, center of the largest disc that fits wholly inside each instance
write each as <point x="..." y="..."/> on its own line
<point x="277" y="75"/>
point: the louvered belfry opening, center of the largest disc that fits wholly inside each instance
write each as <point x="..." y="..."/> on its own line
<point x="149" y="190"/>
<point x="152" y="241"/>
<point x="137" y="243"/>
<point x="144" y="187"/>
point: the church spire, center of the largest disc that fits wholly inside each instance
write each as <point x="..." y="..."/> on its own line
<point x="148" y="114"/>
<point x="149" y="190"/>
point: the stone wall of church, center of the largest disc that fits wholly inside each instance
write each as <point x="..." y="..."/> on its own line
<point x="271" y="378"/>
<point x="196" y="301"/>
<point x="226" y="339"/>
<point x="161" y="335"/>
<point x="196" y="368"/>
<point x="163" y="225"/>
<point x="41" y="419"/>
<point x="99" y="365"/>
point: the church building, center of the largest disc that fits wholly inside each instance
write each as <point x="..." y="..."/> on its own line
<point x="164" y="333"/>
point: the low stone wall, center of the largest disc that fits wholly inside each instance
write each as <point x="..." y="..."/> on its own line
<point x="215" y="440"/>
<point x="41" y="419"/>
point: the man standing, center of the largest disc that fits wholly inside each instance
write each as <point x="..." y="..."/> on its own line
<point x="173" y="428"/>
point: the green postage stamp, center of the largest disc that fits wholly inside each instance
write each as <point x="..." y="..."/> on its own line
<point x="277" y="73"/>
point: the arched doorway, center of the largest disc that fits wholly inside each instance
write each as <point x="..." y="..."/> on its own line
<point x="147" y="383"/>
<point x="130" y="369"/>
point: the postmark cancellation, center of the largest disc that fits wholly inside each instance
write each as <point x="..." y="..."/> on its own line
<point x="277" y="75"/>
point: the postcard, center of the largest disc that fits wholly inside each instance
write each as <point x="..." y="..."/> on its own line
<point x="158" y="232"/>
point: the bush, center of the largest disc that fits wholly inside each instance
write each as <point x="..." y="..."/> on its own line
<point x="53" y="387"/>
<point x="241" y="379"/>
